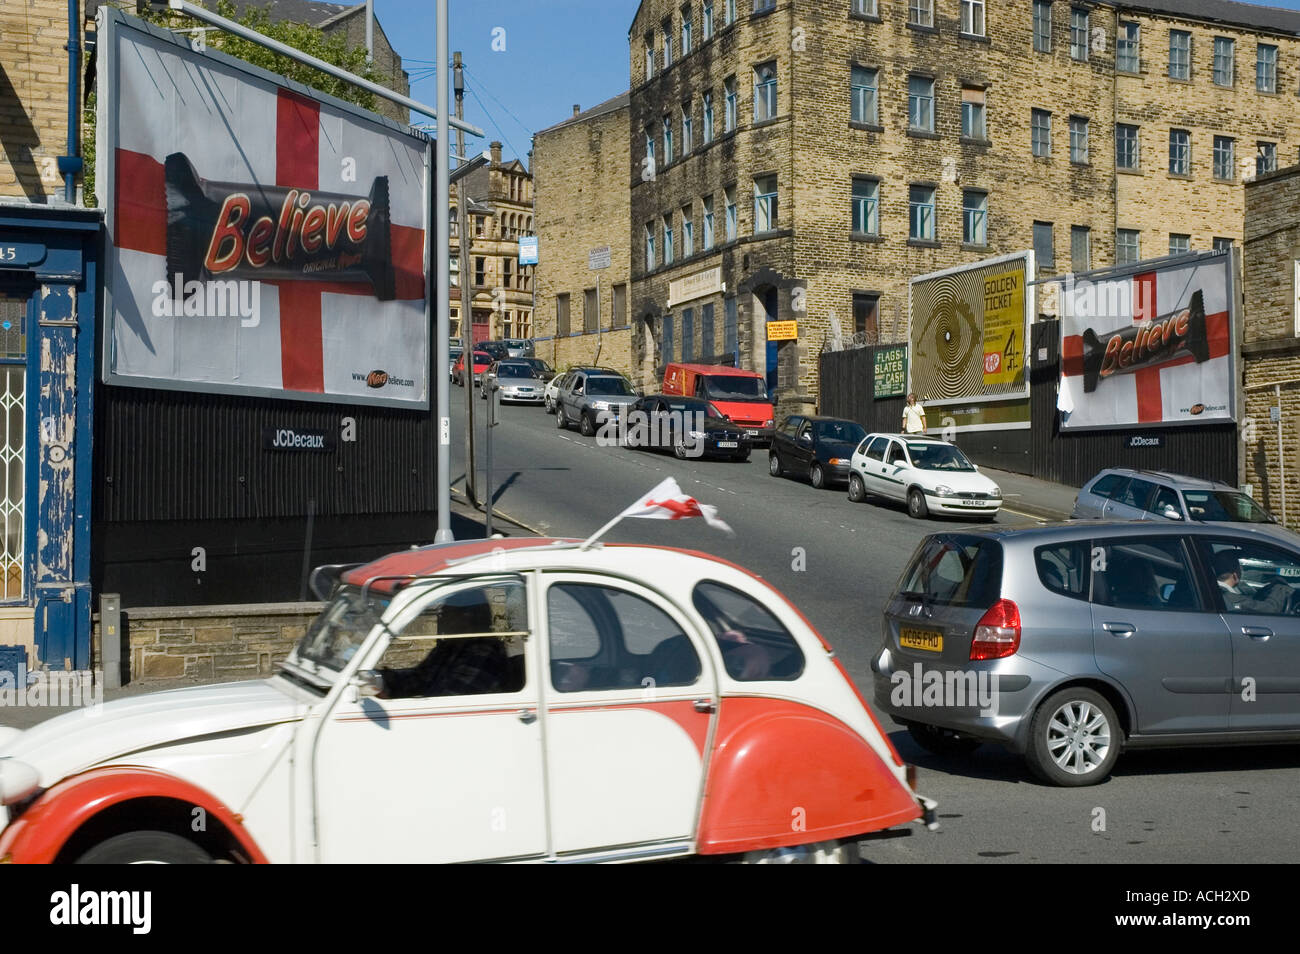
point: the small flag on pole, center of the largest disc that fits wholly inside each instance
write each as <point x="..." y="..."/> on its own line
<point x="666" y="502"/>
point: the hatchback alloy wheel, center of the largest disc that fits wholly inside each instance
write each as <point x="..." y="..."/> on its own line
<point x="857" y="489"/>
<point x="916" y="504"/>
<point x="560" y="421"/>
<point x="1073" y="739"/>
<point x="586" y="425"/>
<point x="817" y="474"/>
<point x="774" y="465"/>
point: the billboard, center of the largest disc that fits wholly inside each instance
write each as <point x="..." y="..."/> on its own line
<point x="967" y="342"/>
<point x="1150" y="346"/>
<point x="261" y="238"/>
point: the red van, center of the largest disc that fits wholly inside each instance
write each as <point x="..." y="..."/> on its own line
<point x="740" y="396"/>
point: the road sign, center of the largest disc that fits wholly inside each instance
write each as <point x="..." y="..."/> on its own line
<point x="598" y="258"/>
<point x="528" y="250"/>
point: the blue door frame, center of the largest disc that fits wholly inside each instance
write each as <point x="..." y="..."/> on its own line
<point x="58" y="256"/>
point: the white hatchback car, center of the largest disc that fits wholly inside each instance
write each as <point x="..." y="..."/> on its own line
<point x="551" y="393"/>
<point x="928" y="474"/>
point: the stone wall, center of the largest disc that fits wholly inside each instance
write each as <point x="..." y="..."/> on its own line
<point x="33" y="97"/>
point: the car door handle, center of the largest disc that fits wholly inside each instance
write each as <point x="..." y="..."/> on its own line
<point x="1122" y="630"/>
<point x="1257" y="632"/>
<point x="527" y="716"/>
<point x="705" y="705"/>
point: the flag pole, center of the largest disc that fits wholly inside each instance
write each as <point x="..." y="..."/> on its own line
<point x="590" y="541"/>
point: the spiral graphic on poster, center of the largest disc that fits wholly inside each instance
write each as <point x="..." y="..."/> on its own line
<point x="947" y="340"/>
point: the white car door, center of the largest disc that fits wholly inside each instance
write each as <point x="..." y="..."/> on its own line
<point x="447" y="765"/>
<point x="895" y="472"/>
<point x="629" y="700"/>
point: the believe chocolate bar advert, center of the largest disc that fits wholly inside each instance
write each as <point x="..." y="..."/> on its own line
<point x="1146" y="345"/>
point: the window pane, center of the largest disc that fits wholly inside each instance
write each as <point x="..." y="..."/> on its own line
<point x="1142" y="573"/>
<point x="1041" y="132"/>
<point x="865" y="206"/>
<point x="920" y="101"/>
<point x="1180" y="152"/>
<point x="1044" y="245"/>
<point x="1266" y="68"/>
<point x="975" y="218"/>
<point x="1127" y="248"/>
<point x="1127" y="57"/>
<point x="1255" y="578"/>
<point x="1043" y="26"/>
<point x="1078" y="139"/>
<point x="921" y="209"/>
<point x="920" y="12"/>
<point x="1180" y="55"/>
<point x="1126" y="147"/>
<point x="1080" y="248"/>
<point x="1225" y="158"/>
<point x="754" y="643"/>
<point x="866" y="318"/>
<point x="1180" y="244"/>
<point x="1078" y="33"/>
<point x="863" y="96"/>
<point x="1224" y="60"/>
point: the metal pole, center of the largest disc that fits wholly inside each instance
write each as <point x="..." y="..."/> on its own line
<point x="466" y="295"/>
<point x="230" y="26"/>
<point x="442" y="238"/>
<point x="370" y="31"/>
<point x="487" y="475"/>
<point x="1281" y="459"/>
<point x="73" y="163"/>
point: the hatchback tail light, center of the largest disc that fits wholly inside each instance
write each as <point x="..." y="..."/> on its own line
<point x="997" y="634"/>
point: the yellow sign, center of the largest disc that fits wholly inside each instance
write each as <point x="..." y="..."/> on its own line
<point x="782" y="330"/>
<point x="1004" y="327"/>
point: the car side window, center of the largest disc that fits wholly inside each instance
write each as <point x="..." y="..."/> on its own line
<point x="1144" y="573"/>
<point x="578" y="382"/>
<point x="876" y="450"/>
<point x="790" y="426"/>
<point x="1063" y="568"/>
<point x="468" y="643"/>
<point x="1137" y="493"/>
<point x="1255" y="578"/>
<point x="896" y="454"/>
<point x="754" y="644"/>
<point x="1109" y="486"/>
<point x="1165" y="497"/>
<point x="806" y="430"/>
<point x="606" y="638"/>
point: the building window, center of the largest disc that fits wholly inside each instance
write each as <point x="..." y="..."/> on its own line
<point x="686" y="30"/>
<point x="480" y="271"/>
<point x="1225" y="60"/>
<point x="730" y="110"/>
<point x="1222" y="244"/>
<point x="707" y="20"/>
<point x="975" y="217"/>
<point x="668" y="141"/>
<point x="1179" y="244"/>
<point x="764" y="204"/>
<point x="707" y="341"/>
<point x="730" y="328"/>
<point x="650" y="147"/>
<point x="590" y="311"/>
<point x="920" y="13"/>
<point x="973" y="125"/>
<point x="866" y="207"/>
<point x="667" y="339"/>
<point x="649" y="55"/>
<point x="1266" y="68"/>
<point x="707" y="103"/>
<point x="1080" y="248"/>
<point x="762" y="6"/>
<point x="668" y="238"/>
<point x="650" y="258"/>
<point x="666" y="28"/>
<point x="708" y="223"/>
<point x="972" y="17"/>
<point x="688" y="129"/>
<point x="688" y="334"/>
<point x="1180" y="55"/>
<point x="1265" y="158"/>
<point x="765" y="92"/>
<point x="1127" y="247"/>
<point x="1040" y="131"/>
<point x="1127" y="155"/>
<point x="1127" y="56"/>
<point x="1225" y="158"/>
<point x="562" y="314"/>
<point x="863" y="106"/>
<point x="454" y="266"/>
<point x="688" y="232"/>
<point x="1043" y="26"/>
<point x="1079" y="140"/>
<point x="619" y="318"/>
<point x="864" y="8"/>
<point x="1079" y="34"/>
<point x="505" y="272"/>
<point x="866" y="318"/>
<point x="730" y="212"/>
<point x="920" y="103"/>
<point x="920" y="203"/>
<point x="1180" y="152"/>
<point x="1044" y="245"/>
<point x="478" y="225"/>
<point x="731" y="12"/>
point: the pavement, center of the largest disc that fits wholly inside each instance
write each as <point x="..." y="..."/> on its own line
<point x="1031" y="497"/>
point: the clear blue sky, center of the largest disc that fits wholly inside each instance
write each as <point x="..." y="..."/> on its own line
<point x="557" y="53"/>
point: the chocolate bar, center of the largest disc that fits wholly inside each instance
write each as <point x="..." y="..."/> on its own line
<point x="229" y="230"/>
<point x="1150" y="343"/>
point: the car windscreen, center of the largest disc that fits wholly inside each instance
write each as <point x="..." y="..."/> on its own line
<point x="338" y="632"/>
<point x="688" y="406"/>
<point x="929" y="455"/>
<point x="844" y="432"/>
<point x="735" y="387"/>
<point x="1224" y="506"/>
<point x="514" y="371"/>
<point x="954" y="570"/>
<point x="608" y="386"/>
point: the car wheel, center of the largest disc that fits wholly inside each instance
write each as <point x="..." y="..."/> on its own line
<point x="774" y="465"/>
<point x="857" y="489"/>
<point x="941" y="741"/>
<point x="146" y="848"/>
<point x="817" y="474"/>
<point x="550" y="408"/>
<point x="560" y="421"/>
<point x="679" y="449"/>
<point x="916" y="504"/>
<point x="1074" y="739"/>
<point x="586" y="425"/>
<point x="818" y="853"/>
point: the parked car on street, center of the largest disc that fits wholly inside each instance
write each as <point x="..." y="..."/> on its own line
<point x="518" y="347"/>
<point x="741" y="396"/>
<point x="514" y="381"/>
<point x="588" y="398"/>
<point x="551" y="393"/>
<point x="1119" y="493"/>
<point x="1100" y="637"/>
<point x="410" y="725"/>
<point x="688" y="427"/>
<point x="818" y="448"/>
<point x="541" y="369"/>
<point x="454" y="353"/>
<point x="497" y="349"/>
<point x="928" y="474"/>
<point x="482" y="361"/>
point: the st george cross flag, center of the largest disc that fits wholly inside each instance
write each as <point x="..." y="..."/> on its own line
<point x="667" y="502"/>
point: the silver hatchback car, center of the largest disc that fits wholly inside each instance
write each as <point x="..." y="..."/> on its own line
<point x="1119" y="493"/>
<point x="1069" y="643"/>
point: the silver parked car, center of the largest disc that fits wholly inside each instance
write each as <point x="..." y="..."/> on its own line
<point x="515" y="381"/>
<point x="589" y="397"/>
<point x="1119" y="493"/>
<point x="1069" y="643"/>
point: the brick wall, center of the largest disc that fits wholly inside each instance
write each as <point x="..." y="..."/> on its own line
<point x="33" y="97"/>
<point x="387" y="64"/>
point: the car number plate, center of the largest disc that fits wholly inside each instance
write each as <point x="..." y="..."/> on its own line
<point x="751" y="433"/>
<point x="973" y="503"/>
<point x="728" y="443"/>
<point x="926" y="639"/>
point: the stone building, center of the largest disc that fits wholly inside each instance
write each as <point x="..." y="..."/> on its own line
<point x="580" y="174"/>
<point x="802" y="159"/>
<point x="1271" y="345"/>
<point x="500" y="212"/>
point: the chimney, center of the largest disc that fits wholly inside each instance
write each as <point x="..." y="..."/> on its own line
<point x="576" y="109"/>
<point x="496" y="153"/>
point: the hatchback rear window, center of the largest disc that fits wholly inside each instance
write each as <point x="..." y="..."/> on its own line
<point x="1063" y="568"/>
<point x="1108" y="485"/>
<point x="955" y="570"/>
<point x="754" y="644"/>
